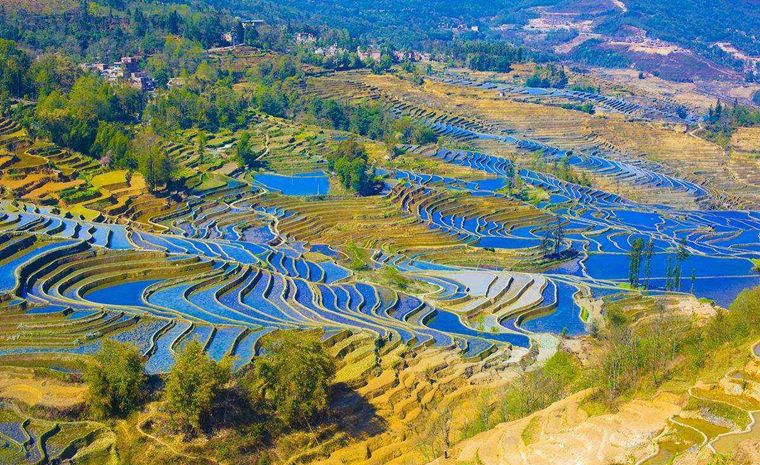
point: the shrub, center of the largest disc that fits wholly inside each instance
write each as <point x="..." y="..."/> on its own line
<point x="647" y="354"/>
<point x="360" y="259"/>
<point x="537" y="389"/>
<point x="394" y="276"/>
<point x="72" y="195"/>
<point x="116" y="381"/>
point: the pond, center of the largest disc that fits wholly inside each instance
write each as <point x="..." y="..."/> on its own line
<point x="565" y="316"/>
<point x="716" y="278"/>
<point x="497" y="242"/>
<point x="616" y="266"/>
<point x="450" y="323"/>
<point x="308" y="184"/>
<point x="129" y="293"/>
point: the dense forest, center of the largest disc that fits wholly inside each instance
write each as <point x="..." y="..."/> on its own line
<point x="109" y="29"/>
<point x="402" y="24"/>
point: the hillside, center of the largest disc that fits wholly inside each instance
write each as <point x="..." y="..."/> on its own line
<point x="334" y="233"/>
<point x="652" y="36"/>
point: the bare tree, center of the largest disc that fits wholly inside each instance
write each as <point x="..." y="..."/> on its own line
<point x="437" y="438"/>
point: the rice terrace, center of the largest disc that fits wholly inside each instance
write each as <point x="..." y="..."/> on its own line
<point x="390" y="232"/>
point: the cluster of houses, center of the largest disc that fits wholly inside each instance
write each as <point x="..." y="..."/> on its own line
<point x="330" y="52"/>
<point x="125" y="70"/>
<point x="310" y="41"/>
<point x="398" y="55"/>
<point x="307" y="39"/>
<point x="462" y="28"/>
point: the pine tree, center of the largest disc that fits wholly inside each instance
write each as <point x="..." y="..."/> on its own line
<point x="676" y="277"/>
<point x="648" y="256"/>
<point x="545" y="245"/>
<point x="634" y="266"/>
<point x="693" y="280"/>
<point x="559" y="237"/>
<point x="668" y="274"/>
<point x="682" y="253"/>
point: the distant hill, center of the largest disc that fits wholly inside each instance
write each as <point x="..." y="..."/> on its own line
<point x="678" y="39"/>
<point x="40" y="6"/>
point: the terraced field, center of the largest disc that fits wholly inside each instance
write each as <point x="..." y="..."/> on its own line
<point x="482" y="252"/>
<point x="30" y="440"/>
<point x="651" y="142"/>
<point x="109" y="280"/>
<point x="603" y="224"/>
<point x="248" y="253"/>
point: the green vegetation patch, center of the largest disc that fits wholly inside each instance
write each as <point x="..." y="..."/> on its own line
<point x="532" y="431"/>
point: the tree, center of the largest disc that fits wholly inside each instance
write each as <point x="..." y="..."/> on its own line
<point x="172" y="24"/>
<point x="548" y="76"/>
<point x="140" y="22"/>
<point x="293" y="377"/>
<point x="682" y="253"/>
<point x="14" y="64"/>
<point x="72" y="119"/>
<point x="349" y="162"/>
<point x="510" y="176"/>
<point x="53" y="72"/>
<point x="250" y="35"/>
<point x="634" y="264"/>
<point x="648" y="255"/>
<point x="404" y="129"/>
<point x="115" y="381"/>
<point x="244" y="151"/>
<point x="238" y="33"/>
<point x="193" y="386"/>
<point x="157" y="167"/>
<point x="383" y="65"/>
<point x="558" y="236"/>
<point x="424" y="135"/>
<point x="546" y="243"/>
<point x="669" y="273"/>
<point x="200" y="146"/>
<point x="113" y="146"/>
<point x="177" y="56"/>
